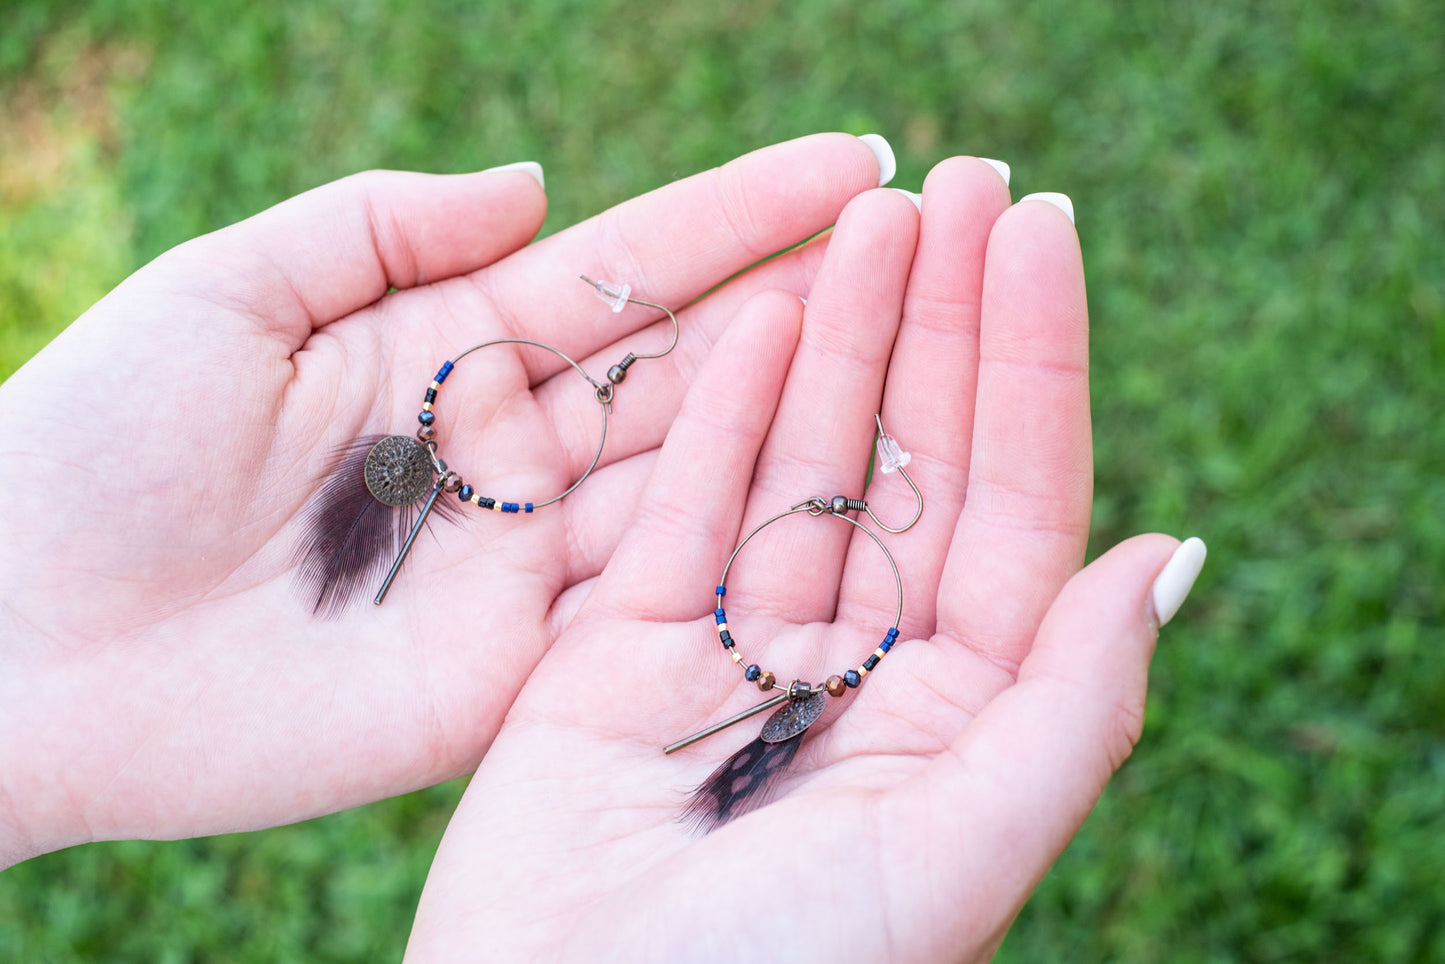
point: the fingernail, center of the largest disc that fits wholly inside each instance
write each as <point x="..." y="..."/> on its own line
<point x="887" y="166"/>
<point x="1172" y="586"/>
<point x="917" y="199"/>
<point x="531" y="168"/>
<point x="1003" y="169"/>
<point x="1060" y="201"/>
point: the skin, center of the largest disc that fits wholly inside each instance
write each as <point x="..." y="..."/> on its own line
<point x="926" y="805"/>
<point x="163" y="678"/>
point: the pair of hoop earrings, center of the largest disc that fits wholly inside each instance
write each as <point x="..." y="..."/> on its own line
<point x="350" y="532"/>
<point x="747" y="779"/>
<point x="369" y="502"/>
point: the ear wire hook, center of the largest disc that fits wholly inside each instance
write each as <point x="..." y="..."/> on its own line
<point x="892" y="458"/>
<point x="618" y="296"/>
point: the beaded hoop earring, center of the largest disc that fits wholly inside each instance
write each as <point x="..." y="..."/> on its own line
<point x="745" y="780"/>
<point x="349" y="529"/>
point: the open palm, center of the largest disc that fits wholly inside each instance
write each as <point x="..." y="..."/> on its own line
<point x="163" y="676"/>
<point x="922" y="809"/>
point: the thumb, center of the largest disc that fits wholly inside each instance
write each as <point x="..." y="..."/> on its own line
<point x="1017" y="783"/>
<point x="321" y="255"/>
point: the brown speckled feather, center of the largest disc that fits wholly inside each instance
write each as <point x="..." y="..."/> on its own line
<point x="744" y="782"/>
<point x="349" y="538"/>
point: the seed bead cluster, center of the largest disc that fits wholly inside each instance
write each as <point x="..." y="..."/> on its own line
<point x="451" y="481"/>
<point x="835" y="685"/>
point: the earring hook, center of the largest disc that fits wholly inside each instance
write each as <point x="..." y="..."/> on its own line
<point x="619" y="295"/>
<point x="892" y="458"/>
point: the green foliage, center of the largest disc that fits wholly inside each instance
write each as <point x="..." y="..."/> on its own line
<point x="342" y="888"/>
<point x="1259" y="192"/>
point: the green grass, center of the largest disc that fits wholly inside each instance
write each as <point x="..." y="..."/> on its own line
<point x="1259" y="193"/>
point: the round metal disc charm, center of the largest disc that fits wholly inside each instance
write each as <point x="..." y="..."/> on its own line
<point x="398" y="470"/>
<point x="794" y="718"/>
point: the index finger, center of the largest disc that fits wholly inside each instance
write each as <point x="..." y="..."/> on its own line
<point x="675" y="243"/>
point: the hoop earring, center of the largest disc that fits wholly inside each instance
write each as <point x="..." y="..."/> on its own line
<point x="745" y="781"/>
<point x="349" y="528"/>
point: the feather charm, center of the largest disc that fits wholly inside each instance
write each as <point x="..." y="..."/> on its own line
<point x="748" y="778"/>
<point x="359" y="517"/>
<point x="743" y="783"/>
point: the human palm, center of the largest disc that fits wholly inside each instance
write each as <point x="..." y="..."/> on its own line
<point x="919" y="814"/>
<point x="165" y="674"/>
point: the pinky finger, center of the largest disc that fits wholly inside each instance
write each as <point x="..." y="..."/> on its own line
<point x="1017" y="783"/>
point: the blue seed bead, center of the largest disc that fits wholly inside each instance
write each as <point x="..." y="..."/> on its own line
<point x="446" y="370"/>
<point x="528" y="507"/>
<point x="465" y="493"/>
<point x="893" y="633"/>
<point x="720" y="616"/>
<point x="426" y="418"/>
<point x="722" y="590"/>
<point x="886" y="645"/>
<point x="852" y="679"/>
<point x="754" y="671"/>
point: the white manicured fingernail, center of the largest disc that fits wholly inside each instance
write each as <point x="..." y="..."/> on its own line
<point x="1060" y="201"/>
<point x="1172" y="586"/>
<point x="531" y="168"/>
<point x="887" y="166"/>
<point x="1003" y="169"/>
<point x="917" y="199"/>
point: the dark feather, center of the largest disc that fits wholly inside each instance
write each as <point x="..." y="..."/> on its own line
<point x="349" y="539"/>
<point x="744" y="782"/>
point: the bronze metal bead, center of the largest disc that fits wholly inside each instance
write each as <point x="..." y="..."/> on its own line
<point x="451" y="482"/>
<point x="836" y="686"/>
<point x="426" y="433"/>
<point x="765" y="682"/>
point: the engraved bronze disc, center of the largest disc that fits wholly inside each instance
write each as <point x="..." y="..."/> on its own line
<point x="794" y="718"/>
<point x="398" y="470"/>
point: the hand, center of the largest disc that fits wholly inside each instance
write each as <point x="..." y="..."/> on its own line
<point x="920" y="813"/>
<point x="162" y="676"/>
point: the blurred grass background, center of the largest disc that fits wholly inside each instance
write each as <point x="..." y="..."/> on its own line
<point x="1259" y="192"/>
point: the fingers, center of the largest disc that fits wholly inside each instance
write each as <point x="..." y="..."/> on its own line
<point x="822" y="437"/>
<point x="688" y="516"/>
<point x="677" y="242"/>
<point x="1016" y="785"/>
<point x="648" y="400"/>
<point x="323" y="254"/>
<point x="1025" y="521"/>
<point x="929" y="398"/>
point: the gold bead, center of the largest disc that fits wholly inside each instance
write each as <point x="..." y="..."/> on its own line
<point x="765" y="682"/>
<point x="737" y="656"/>
<point x="836" y="686"/>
